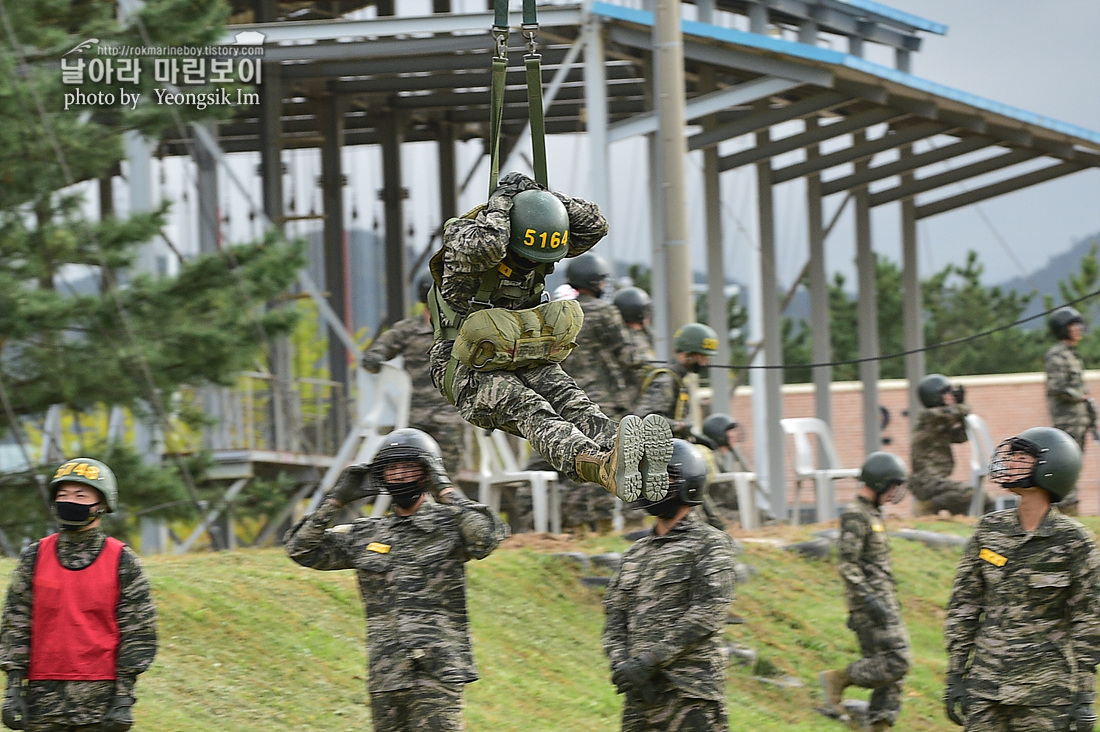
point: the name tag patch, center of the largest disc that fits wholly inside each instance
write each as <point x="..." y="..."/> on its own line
<point x="992" y="557"/>
<point x="877" y="527"/>
<point x="374" y="546"/>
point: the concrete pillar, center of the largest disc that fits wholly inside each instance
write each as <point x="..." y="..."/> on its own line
<point x="867" y="312"/>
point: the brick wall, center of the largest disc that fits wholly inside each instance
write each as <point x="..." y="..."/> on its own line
<point x="1009" y="403"/>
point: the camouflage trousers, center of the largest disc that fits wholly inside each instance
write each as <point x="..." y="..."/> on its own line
<point x="429" y="706"/>
<point x="541" y="403"/>
<point x="450" y="434"/>
<point x="51" y="727"/>
<point x="67" y="705"/>
<point x="674" y="712"/>
<point x="1078" y="429"/>
<point x="943" y="494"/>
<point x="885" y="662"/>
<point x="987" y="715"/>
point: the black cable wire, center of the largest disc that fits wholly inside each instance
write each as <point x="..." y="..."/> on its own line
<point x="900" y="354"/>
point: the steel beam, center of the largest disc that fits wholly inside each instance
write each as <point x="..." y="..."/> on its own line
<point x="911" y="304"/>
<point x="821" y="336"/>
<point x="331" y="118"/>
<point x="989" y="165"/>
<point x="996" y="189"/>
<point x="867" y="315"/>
<point x="856" y="152"/>
<point x="758" y="121"/>
<point x="906" y="164"/>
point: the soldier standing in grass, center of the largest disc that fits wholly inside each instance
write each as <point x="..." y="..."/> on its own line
<point x="665" y="611"/>
<point x="873" y="610"/>
<point x="1072" y="410"/>
<point x="412" y="578"/>
<point x="79" y="623"/>
<point x="1023" y="622"/>
<point x="429" y="412"/>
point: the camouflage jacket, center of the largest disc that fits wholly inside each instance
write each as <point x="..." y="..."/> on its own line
<point x="1023" y="622"/>
<point x="1065" y="384"/>
<point x="865" y="556"/>
<point x="80" y="702"/>
<point x="641" y="340"/>
<point x="472" y="247"/>
<point x="937" y="428"/>
<point x="411" y="338"/>
<point x="604" y="357"/>
<point x="412" y="580"/>
<point x="670" y="597"/>
<point x="665" y="394"/>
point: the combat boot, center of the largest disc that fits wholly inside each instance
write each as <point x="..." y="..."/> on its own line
<point x="833" y="684"/>
<point x="604" y="526"/>
<point x="881" y="726"/>
<point x="618" y="470"/>
<point x="657" y="453"/>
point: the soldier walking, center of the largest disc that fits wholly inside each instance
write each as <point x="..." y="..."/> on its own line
<point x="1072" y="410"/>
<point x="79" y="624"/>
<point x="429" y="412"/>
<point x="499" y="344"/>
<point x="1023" y="623"/>
<point x="412" y="578"/>
<point x="873" y="610"/>
<point x="665" y="611"/>
<point x="941" y="424"/>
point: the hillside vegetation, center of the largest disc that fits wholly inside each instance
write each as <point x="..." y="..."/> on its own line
<point x="251" y="641"/>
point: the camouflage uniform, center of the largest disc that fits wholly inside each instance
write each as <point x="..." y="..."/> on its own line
<point x="601" y="365"/>
<point x="641" y="340"/>
<point x="1066" y="391"/>
<point x="933" y="462"/>
<point x="1023" y="622"/>
<point x="667" y="395"/>
<point x="865" y="568"/>
<point x="428" y="410"/>
<point x="56" y="706"/>
<point x="541" y="403"/>
<point x="670" y="598"/>
<point x="412" y="581"/>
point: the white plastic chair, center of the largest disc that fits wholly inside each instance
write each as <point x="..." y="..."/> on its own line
<point x="822" y="470"/>
<point x="498" y="466"/>
<point x="981" y="450"/>
<point x="744" y="483"/>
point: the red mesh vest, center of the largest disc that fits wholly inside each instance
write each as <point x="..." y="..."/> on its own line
<point x="74" y="627"/>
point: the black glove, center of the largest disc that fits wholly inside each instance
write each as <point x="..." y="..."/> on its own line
<point x="954" y="695"/>
<point x="511" y="184"/>
<point x="635" y="673"/>
<point x="877" y="610"/>
<point x="371" y="365"/>
<point x="354" y="483"/>
<point x="1082" y="715"/>
<point x="437" y="477"/>
<point x="119" y="716"/>
<point x="699" y="439"/>
<point x="959" y="392"/>
<point x="15" y="706"/>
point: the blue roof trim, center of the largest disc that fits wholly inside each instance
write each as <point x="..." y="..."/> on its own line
<point x="899" y="16"/>
<point x="838" y="58"/>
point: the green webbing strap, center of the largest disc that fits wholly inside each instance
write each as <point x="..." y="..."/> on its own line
<point x="680" y="409"/>
<point x="496" y="118"/>
<point x="534" y="111"/>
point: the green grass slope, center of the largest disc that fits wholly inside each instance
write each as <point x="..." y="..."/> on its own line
<point x="251" y="641"/>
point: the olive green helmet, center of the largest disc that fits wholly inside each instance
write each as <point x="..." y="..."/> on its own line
<point x="588" y="272"/>
<point x="715" y="427"/>
<point x="89" y="472"/>
<point x="634" y="304"/>
<point x="882" y="471"/>
<point x="540" y="226"/>
<point x="1061" y="319"/>
<point x="1058" y="461"/>
<point x="932" y="388"/>
<point x="696" y="338"/>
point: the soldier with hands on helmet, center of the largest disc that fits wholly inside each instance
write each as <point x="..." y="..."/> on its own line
<point x="499" y="343"/>
<point x="941" y="424"/>
<point x="79" y="624"/>
<point x="873" y="610"/>
<point x="1023" y="623"/>
<point x="412" y="338"/>
<point x="1072" y="410"/>
<point x="412" y="578"/>
<point x="664" y="390"/>
<point x="665" y="611"/>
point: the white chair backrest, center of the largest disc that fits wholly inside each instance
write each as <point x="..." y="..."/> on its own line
<point x="384" y="398"/>
<point x="801" y="429"/>
<point x="981" y="444"/>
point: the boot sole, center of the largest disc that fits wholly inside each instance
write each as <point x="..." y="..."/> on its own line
<point x="658" y="451"/>
<point x="630" y="445"/>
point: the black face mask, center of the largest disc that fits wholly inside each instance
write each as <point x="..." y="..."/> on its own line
<point x="406" y="500"/>
<point x="665" y="508"/>
<point x="74" y="516"/>
<point x="694" y="366"/>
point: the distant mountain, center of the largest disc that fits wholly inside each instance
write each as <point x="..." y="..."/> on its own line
<point x="1058" y="268"/>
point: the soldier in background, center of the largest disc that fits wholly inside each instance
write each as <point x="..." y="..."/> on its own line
<point x="412" y="578"/>
<point x="941" y="424"/>
<point x="873" y="610"/>
<point x="1023" y="623"/>
<point x="664" y="390"/>
<point x="665" y="611"/>
<point x="429" y="412"/>
<point x="636" y="309"/>
<point x="79" y="623"/>
<point x="1072" y="410"/>
<point x="721" y="430"/>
